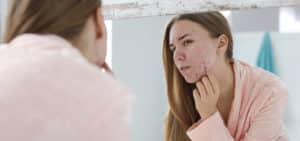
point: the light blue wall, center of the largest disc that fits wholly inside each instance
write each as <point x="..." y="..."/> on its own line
<point x="136" y="57"/>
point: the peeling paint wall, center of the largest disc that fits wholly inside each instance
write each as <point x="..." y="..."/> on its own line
<point x="148" y="8"/>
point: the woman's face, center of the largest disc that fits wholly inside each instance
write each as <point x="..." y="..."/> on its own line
<point x="194" y="50"/>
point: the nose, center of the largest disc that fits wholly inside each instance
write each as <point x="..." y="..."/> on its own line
<point x="179" y="55"/>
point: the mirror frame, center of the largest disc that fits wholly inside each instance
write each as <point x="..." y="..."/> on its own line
<point x="150" y="8"/>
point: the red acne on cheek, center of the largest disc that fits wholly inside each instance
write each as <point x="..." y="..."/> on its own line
<point x="205" y="69"/>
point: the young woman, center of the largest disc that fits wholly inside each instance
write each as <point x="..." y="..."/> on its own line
<point x="52" y="86"/>
<point x="212" y="96"/>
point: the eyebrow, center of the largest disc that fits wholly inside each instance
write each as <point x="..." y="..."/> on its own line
<point x="183" y="36"/>
<point x="180" y="38"/>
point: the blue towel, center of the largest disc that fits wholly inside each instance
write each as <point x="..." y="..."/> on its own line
<point x="265" y="57"/>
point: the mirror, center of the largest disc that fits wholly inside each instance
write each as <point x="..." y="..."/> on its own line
<point x="137" y="60"/>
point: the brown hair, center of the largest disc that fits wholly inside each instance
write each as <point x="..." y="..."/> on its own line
<point x="182" y="112"/>
<point x="65" y="18"/>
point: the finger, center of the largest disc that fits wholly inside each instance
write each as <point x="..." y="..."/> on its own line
<point x="207" y="85"/>
<point x="196" y="95"/>
<point x="214" y="82"/>
<point x="201" y="89"/>
<point x="197" y="98"/>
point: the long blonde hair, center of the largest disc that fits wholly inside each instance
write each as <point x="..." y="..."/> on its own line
<point x="182" y="112"/>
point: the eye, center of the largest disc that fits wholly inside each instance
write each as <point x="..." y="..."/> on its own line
<point x="187" y="42"/>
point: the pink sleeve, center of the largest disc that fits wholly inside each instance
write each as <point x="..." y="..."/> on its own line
<point x="265" y="126"/>
<point x="212" y="129"/>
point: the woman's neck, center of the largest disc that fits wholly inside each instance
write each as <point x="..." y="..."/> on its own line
<point x="225" y="76"/>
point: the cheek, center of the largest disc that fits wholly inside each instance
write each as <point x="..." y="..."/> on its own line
<point x="101" y="56"/>
<point x="202" y="59"/>
<point x="100" y="50"/>
<point x="202" y="65"/>
<point x="208" y="61"/>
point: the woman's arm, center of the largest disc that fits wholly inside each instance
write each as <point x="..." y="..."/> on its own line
<point x="265" y="126"/>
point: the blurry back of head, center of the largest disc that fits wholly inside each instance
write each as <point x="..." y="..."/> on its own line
<point x="65" y="18"/>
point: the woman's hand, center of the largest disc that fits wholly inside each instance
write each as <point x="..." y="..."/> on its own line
<point x="206" y="96"/>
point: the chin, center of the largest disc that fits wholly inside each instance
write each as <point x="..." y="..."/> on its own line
<point x="191" y="80"/>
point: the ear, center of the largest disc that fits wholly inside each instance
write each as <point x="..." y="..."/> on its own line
<point x="100" y="25"/>
<point x="223" y="42"/>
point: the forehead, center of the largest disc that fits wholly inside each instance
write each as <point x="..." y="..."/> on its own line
<point x="183" y="27"/>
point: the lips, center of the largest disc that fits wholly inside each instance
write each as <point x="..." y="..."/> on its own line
<point x="184" y="68"/>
